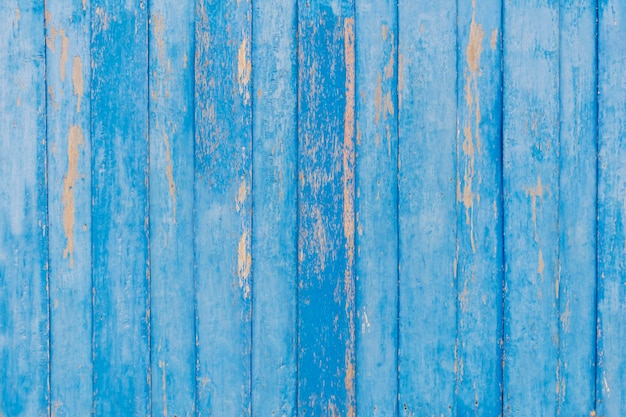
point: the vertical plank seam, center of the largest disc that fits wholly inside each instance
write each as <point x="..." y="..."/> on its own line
<point x="502" y="350"/>
<point x="456" y="209"/>
<point x="597" y="149"/>
<point x="91" y="261"/>
<point x="194" y="225"/>
<point x="560" y="394"/>
<point x="251" y="212"/>
<point x="298" y="219"/>
<point x="148" y="255"/>
<point x="397" y="203"/>
<point x="47" y="215"/>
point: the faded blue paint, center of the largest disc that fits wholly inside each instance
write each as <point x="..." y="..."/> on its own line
<point x="427" y="208"/>
<point x="326" y="322"/>
<point x="223" y="187"/>
<point x="312" y="208"/>
<point x="120" y="228"/>
<point x="274" y="198"/>
<point x="531" y="196"/>
<point x="68" y="69"/>
<point x="479" y="210"/>
<point x="376" y="238"/>
<point x="172" y="295"/>
<point x="24" y="328"/>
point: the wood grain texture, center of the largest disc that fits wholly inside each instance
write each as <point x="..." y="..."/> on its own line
<point x="274" y="198"/>
<point x="120" y="225"/>
<point x="531" y="202"/>
<point x="68" y="59"/>
<point x="376" y="240"/>
<point x="577" y="208"/>
<point x="479" y="210"/>
<point x="172" y="295"/>
<point x="427" y="207"/>
<point x="326" y="314"/>
<point x="24" y="325"/>
<point x="223" y="97"/>
<point x="611" y="359"/>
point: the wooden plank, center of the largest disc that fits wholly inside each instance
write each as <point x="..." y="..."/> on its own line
<point x="376" y="208"/>
<point x="173" y="350"/>
<point x="531" y="203"/>
<point x="326" y="327"/>
<point x="274" y="224"/>
<point x="223" y="97"/>
<point x="577" y="208"/>
<point x="24" y="322"/>
<point x="479" y="210"/>
<point x="69" y="205"/>
<point x="427" y="207"/>
<point x="120" y="227"/>
<point x="611" y="365"/>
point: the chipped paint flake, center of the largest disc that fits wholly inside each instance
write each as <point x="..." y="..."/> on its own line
<point x="75" y="139"/>
<point x="493" y="42"/>
<point x="244" y="262"/>
<point x="65" y="44"/>
<point x="244" y="68"/>
<point x="169" y="172"/>
<point x="77" y="81"/>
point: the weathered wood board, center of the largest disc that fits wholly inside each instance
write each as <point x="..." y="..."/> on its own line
<point x="312" y="208"/>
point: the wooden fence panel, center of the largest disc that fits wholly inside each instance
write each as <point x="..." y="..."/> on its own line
<point x="312" y="208"/>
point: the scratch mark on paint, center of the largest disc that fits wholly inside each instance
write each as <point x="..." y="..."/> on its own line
<point x="540" y="264"/>
<point x="164" y="386"/>
<point x="65" y="44"/>
<point x="169" y="172"/>
<point x="533" y="193"/>
<point x="242" y="193"/>
<point x="400" y="79"/>
<point x="244" y="261"/>
<point x="348" y="208"/>
<point x="244" y="68"/>
<point x="84" y="4"/>
<point x="18" y="16"/>
<point x="378" y="100"/>
<point x="472" y="55"/>
<point x="494" y="39"/>
<point x="77" y="81"/>
<point x="75" y="138"/>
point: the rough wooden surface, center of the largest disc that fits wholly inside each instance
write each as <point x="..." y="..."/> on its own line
<point x="312" y="207"/>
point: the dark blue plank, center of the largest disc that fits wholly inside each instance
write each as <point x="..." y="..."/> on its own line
<point x="531" y="196"/>
<point x="611" y="371"/>
<point x="326" y="322"/>
<point x="222" y="233"/>
<point x="577" y="208"/>
<point x="173" y="350"/>
<point x="24" y="322"/>
<point x="427" y="207"/>
<point x="69" y="205"/>
<point x="479" y="212"/>
<point x="120" y="228"/>
<point x="376" y="208"/>
<point x="274" y="225"/>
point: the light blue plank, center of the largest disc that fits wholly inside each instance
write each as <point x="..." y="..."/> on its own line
<point x="577" y="208"/>
<point x="274" y="225"/>
<point x="611" y="371"/>
<point x="427" y="207"/>
<point x="173" y="349"/>
<point x="376" y="208"/>
<point x="120" y="228"/>
<point x="479" y="210"/>
<point x="326" y="322"/>
<point x="68" y="26"/>
<point x="223" y="187"/>
<point x="24" y="322"/>
<point x="531" y="196"/>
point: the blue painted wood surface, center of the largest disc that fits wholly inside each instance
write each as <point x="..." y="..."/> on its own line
<point x="427" y="361"/>
<point x="120" y="208"/>
<point x="68" y="63"/>
<point x="312" y="208"/>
